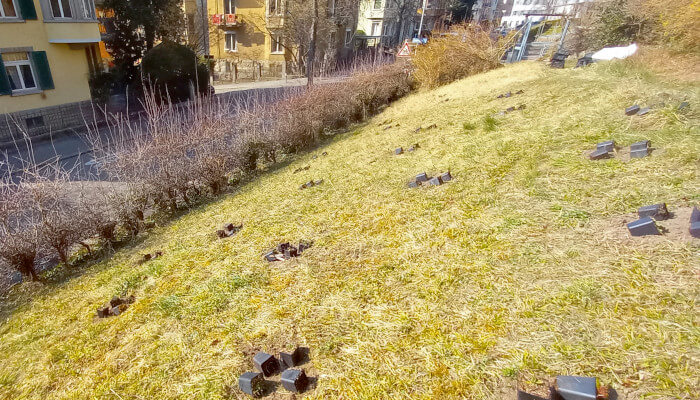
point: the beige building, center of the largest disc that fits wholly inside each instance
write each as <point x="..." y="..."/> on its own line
<point x="239" y="36"/>
<point x="48" y="48"/>
<point x="245" y="38"/>
<point x="390" y="22"/>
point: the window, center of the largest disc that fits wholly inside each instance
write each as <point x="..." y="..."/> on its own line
<point x="88" y="9"/>
<point x="231" y="44"/>
<point x="275" y="7"/>
<point x="276" y="43"/>
<point x="229" y="6"/>
<point x="61" y="9"/>
<point x="375" y="28"/>
<point x="331" y="8"/>
<point x="377" y="4"/>
<point x="387" y="29"/>
<point x="7" y="9"/>
<point x="348" y="36"/>
<point x="34" y="122"/>
<point x="19" y="71"/>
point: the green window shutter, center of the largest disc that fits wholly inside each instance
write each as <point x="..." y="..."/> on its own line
<point x="4" y="80"/>
<point x="26" y="9"/>
<point x="41" y="68"/>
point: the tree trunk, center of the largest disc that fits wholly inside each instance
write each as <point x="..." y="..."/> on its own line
<point x="311" y="55"/>
<point x="34" y="275"/>
<point x="87" y="246"/>
<point x="150" y="36"/>
<point x="398" y="31"/>
<point x="62" y="254"/>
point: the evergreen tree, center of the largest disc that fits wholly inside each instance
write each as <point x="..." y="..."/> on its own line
<point x="137" y="25"/>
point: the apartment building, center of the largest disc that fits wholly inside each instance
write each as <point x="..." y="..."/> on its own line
<point x="246" y="39"/>
<point x="513" y="13"/>
<point x="390" y="22"/>
<point x="48" y="48"/>
<point x="487" y="10"/>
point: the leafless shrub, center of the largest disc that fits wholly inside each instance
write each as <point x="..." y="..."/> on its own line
<point x="175" y="154"/>
<point x="462" y="51"/>
<point x="19" y="237"/>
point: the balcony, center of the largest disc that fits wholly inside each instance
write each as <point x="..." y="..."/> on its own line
<point x="226" y="20"/>
<point x="73" y="32"/>
<point x="376" y="13"/>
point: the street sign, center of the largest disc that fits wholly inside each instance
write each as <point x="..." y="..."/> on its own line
<point x="405" y="51"/>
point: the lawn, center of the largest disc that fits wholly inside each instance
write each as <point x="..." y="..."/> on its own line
<point x="519" y="269"/>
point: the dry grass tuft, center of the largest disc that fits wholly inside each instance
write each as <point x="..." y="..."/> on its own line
<point x="463" y="51"/>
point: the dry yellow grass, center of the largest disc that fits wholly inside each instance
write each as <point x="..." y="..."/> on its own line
<point x="510" y="273"/>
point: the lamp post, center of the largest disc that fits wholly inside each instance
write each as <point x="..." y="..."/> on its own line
<point x="422" y="14"/>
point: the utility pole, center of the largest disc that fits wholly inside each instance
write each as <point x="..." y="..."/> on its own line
<point x="311" y="55"/>
<point x="205" y="37"/>
<point x="422" y="14"/>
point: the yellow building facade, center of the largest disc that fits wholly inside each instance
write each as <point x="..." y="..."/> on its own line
<point x="47" y="51"/>
<point x="241" y="36"/>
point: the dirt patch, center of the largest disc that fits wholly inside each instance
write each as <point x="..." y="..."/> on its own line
<point x="623" y="154"/>
<point x="273" y="385"/>
<point x="676" y="228"/>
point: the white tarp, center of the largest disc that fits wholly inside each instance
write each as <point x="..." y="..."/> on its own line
<point x="610" y="53"/>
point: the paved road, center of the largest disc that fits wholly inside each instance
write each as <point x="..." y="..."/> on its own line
<point x="72" y="150"/>
<point x="229" y="87"/>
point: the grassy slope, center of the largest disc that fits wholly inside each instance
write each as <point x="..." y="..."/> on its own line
<point x="509" y="272"/>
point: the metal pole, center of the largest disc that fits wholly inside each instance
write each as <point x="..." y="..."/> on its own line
<point x="563" y="34"/>
<point x="523" y="44"/>
<point x="420" y="27"/>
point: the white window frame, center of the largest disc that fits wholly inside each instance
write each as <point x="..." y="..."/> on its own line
<point x="278" y="7"/>
<point x="232" y="6"/>
<point x="63" y="14"/>
<point x="17" y="65"/>
<point x="89" y="11"/>
<point x="345" y="39"/>
<point x="235" y="41"/>
<point x="2" y="11"/>
<point x="374" y="4"/>
<point x="378" y="24"/>
<point x="278" y="41"/>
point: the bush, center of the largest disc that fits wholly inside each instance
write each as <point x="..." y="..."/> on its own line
<point x="171" y="68"/>
<point x="621" y="22"/>
<point x="190" y="149"/>
<point x="101" y="84"/>
<point x="463" y="51"/>
<point x="19" y="238"/>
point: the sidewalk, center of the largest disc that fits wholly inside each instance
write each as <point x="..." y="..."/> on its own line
<point x="240" y="86"/>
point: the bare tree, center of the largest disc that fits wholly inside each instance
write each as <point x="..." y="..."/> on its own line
<point x="402" y="12"/>
<point x="304" y="24"/>
<point x="311" y="55"/>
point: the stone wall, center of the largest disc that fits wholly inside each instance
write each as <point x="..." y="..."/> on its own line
<point x="46" y="120"/>
<point x="247" y="70"/>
